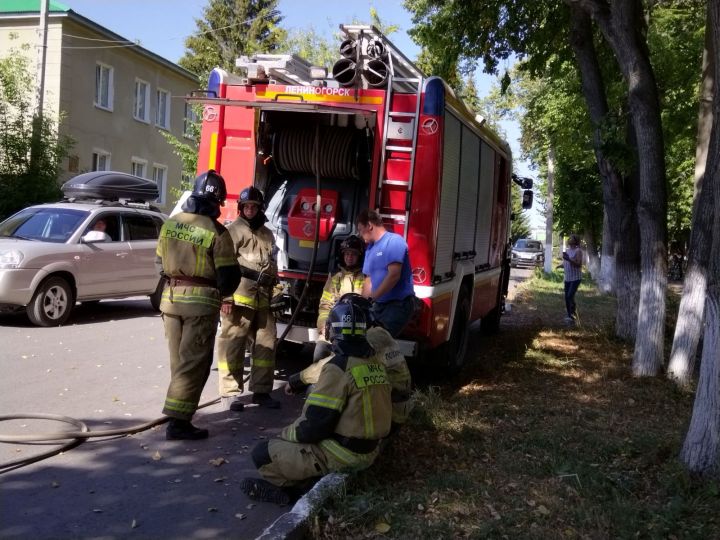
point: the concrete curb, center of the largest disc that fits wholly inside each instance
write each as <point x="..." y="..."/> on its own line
<point x="293" y="524"/>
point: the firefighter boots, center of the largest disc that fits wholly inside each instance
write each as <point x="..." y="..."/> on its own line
<point x="264" y="400"/>
<point x="183" y="430"/>
<point x="261" y="490"/>
<point x="231" y="403"/>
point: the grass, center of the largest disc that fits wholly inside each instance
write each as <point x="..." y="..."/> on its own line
<point x="544" y="435"/>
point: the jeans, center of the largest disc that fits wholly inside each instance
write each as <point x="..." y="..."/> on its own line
<point x="571" y="288"/>
<point x="395" y="314"/>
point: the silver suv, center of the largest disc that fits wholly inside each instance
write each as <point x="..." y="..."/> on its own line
<point x="527" y="252"/>
<point x="53" y="255"/>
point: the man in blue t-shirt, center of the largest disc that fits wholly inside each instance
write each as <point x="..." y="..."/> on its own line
<point x="389" y="280"/>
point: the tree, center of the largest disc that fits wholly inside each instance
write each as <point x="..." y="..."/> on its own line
<point x="21" y="184"/>
<point x="230" y="29"/>
<point x="690" y="316"/>
<point x="701" y="449"/>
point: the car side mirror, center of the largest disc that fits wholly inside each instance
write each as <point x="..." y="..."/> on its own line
<point x="527" y="200"/>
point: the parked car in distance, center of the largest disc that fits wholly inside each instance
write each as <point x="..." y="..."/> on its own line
<point x="81" y="249"/>
<point x="526" y="252"/>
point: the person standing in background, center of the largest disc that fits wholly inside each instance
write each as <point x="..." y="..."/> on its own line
<point x="572" y="266"/>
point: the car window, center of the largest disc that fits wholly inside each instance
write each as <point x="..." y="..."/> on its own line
<point x="45" y="224"/>
<point x="140" y="227"/>
<point x="535" y="245"/>
<point x="521" y="244"/>
<point x="107" y="223"/>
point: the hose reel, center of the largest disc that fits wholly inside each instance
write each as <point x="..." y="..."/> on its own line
<point x="339" y="149"/>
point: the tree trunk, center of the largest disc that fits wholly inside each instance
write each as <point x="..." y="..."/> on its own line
<point x="621" y="23"/>
<point x="690" y="316"/>
<point x="701" y="450"/>
<point x="620" y="233"/>
<point x="549" y="212"/>
<point x="592" y="259"/>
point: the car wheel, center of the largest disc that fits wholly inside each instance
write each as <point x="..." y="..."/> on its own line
<point x="52" y="303"/>
<point x="156" y="297"/>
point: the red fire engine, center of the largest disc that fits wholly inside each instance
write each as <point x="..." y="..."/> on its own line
<point x="378" y="134"/>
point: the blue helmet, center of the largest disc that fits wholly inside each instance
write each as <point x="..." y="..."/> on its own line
<point x="349" y="319"/>
<point x="251" y="195"/>
<point x="211" y="186"/>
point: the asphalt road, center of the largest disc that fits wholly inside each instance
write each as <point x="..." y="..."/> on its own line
<point x="109" y="368"/>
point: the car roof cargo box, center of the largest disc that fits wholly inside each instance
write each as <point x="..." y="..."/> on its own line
<point x="110" y="185"/>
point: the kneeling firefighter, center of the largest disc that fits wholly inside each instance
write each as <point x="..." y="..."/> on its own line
<point x="195" y="253"/>
<point x="246" y="314"/>
<point x="342" y="423"/>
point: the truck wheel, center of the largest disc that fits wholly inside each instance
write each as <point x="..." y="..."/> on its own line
<point x="454" y="350"/>
<point x="52" y="303"/>
<point x="156" y="297"/>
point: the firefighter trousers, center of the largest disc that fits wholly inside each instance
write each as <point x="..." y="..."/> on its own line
<point x="191" y="341"/>
<point x="289" y="463"/>
<point x="243" y="324"/>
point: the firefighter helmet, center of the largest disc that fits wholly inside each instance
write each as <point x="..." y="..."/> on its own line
<point x="210" y="185"/>
<point x="251" y="195"/>
<point x="348" y="319"/>
<point x="354" y="243"/>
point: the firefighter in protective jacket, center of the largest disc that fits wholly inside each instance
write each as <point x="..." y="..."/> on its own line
<point x="349" y="279"/>
<point x="386" y="350"/>
<point x="195" y="254"/>
<point x="344" y="418"/>
<point x="246" y="314"/>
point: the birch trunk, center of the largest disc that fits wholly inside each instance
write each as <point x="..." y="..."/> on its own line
<point x="692" y="304"/>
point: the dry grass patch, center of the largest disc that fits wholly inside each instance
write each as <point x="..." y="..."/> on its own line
<point x="544" y="435"/>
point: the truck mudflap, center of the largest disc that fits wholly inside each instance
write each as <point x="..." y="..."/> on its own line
<point x="304" y="334"/>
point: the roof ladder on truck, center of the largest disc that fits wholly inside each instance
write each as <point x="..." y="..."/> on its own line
<point x="403" y="78"/>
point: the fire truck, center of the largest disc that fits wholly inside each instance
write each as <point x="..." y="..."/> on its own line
<point x="377" y="134"/>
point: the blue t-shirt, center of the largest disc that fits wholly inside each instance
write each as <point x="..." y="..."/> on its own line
<point x="391" y="248"/>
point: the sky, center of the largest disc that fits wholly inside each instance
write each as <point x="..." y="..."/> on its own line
<point x="162" y="26"/>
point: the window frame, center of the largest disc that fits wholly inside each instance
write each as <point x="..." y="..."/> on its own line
<point x="97" y="99"/>
<point x="162" y="187"/>
<point x="167" y="108"/>
<point x="188" y="119"/>
<point x="146" y="118"/>
<point x="100" y="153"/>
<point x="134" y="160"/>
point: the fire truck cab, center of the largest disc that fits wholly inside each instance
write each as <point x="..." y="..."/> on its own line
<point x="380" y="135"/>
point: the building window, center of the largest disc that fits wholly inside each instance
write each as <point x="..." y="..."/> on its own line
<point x="138" y="167"/>
<point x="190" y="121"/>
<point x="104" y="86"/>
<point x="100" y="160"/>
<point x="162" y="109"/>
<point x="141" y="111"/>
<point x="159" y="177"/>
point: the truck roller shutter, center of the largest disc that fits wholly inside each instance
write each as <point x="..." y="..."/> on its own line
<point x="484" y="204"/>
<point x="448" y="196"/>
<point x="468" y="196"/>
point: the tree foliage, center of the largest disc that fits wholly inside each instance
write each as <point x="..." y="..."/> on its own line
<point x="230" y="29"/>
<point x="23" y="183"/>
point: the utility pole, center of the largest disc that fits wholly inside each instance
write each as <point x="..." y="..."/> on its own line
<point x="40" y="83"/>
<point x="549" y="212"/>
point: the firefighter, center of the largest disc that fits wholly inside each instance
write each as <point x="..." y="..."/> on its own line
<point x="388" y="352"/>
<point x="195" y="254"/>
<point x="342" y="423"/>
<point x="246" y="314"/>
<point x="349" y="279"/>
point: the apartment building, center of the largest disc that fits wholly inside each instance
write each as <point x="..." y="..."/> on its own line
<point x="113" y="97"/>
